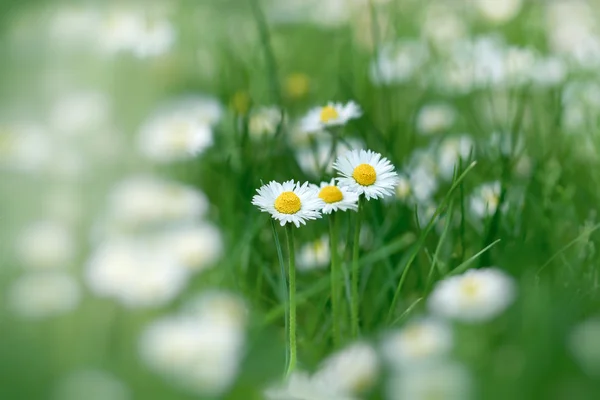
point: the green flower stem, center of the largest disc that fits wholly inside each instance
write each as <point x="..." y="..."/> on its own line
<point x="292" y="299"/>
<point x="354" y="320"/>
<point x="335" y="278"/>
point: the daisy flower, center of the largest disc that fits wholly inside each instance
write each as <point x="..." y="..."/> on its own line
<point x="477" y="295"/>
<point x="289" y="202"/>
<point x="332" y="114"/>
<point x="336" y="198"/>
<point x="366" y="172"/>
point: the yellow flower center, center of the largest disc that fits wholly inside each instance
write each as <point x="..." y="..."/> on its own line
<point x="288" y="203"/>
<point x="297" y="85"/>
<point x="328" y="113"/>
<point x="331" y="194"/>
<point x="365" y="175"/>
<point x="470" y="288"/>
<point x="241" y="102"/>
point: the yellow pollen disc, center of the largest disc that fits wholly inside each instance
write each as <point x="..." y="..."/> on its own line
<point x="365" y="175"/>
<point x="288" y="203"/>
<point x="328" y="113"/>
<point x="470" y="288"/>
<point x="331" y="194"/>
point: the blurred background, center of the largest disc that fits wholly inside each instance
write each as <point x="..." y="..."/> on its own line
<point x="133" y="135"/>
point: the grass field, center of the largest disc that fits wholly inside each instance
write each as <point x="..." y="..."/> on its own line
<point x="136" y="262"/>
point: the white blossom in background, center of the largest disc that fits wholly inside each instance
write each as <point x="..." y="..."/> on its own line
<point x="499" y="11"/>
<point x="485" y="199"/>
<point x="201" y="350"/>
<point x="43" y="294"/>
<point x="419" y="341"/>
<point x="196" y="247"/>
<point x="46" y="244"/>
<point x="73" y="27"/>
<point x="477" y="295"/>
<point x="25" y="147"/>
<point x="351" y="370"/>
<point x="572" y="31"/>
<point x="133" y="31"/>
<point x="451" y="151"/>
<point x="174" y="137"/>
<point x="443" y="381"/>
<point x="423" y="175"/>
<point x="397" y="63"/>
<point x="145" y="200"/>
<point x="180" y="129"/>
<point x="403" y="190"/>
<point x="443" y="25"/>
<point x="301" y="386"/>
<point x="91" y="384"/>
<point x="79" y="113"/>
<point x="435" y="118"/>
<point x="264" y="121"/>
<point x="135" y="273"/>
<point x="314" y="255"/>
<point x="584" y="344"/>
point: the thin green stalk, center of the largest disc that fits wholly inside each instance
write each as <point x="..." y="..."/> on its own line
<point x="283" y="286"/>
<point x="421" y="241"/>
<point x="354" y="318"/>
<point x="335" y="279"/>
<point x="292" y="299"/>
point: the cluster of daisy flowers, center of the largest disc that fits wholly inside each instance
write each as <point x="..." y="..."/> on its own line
<point x="362" y="173"/>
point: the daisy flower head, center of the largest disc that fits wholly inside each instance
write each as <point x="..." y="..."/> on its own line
<point x="289" y="202"/>
<point x="336" y="198"/>
<point x="478" y="295"/>
<point x="366" y="172"/>
<point x="332" y="114"/>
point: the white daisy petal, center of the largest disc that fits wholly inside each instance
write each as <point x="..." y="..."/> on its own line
<point x="366" y="172"/>
<point x="290" y="202"/>
<point x="333" y="114"/>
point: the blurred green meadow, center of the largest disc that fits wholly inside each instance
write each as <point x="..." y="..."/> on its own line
<point x="134" y="135"/>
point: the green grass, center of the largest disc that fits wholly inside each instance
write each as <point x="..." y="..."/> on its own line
<point x="545" y="237"/>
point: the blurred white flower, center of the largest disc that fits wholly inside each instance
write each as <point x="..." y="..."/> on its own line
<point x="43" y="294"/>
<point x="332" y="114"/>
<point x="73" y="26"/>
<point x="443" y="26"/>
<point x="351" y="370"/>
<point x="195" y="247"/>
<point x="217" y="307"/>
<point x="144" y="200"/>
<point x="46" y="245"/>
<point x="200" y="352"/>
<point x="135" y="273"/>
<point x="451" y="151"/>
<point x="445" y="381"/>
<point x="419" y="341"/>
<point x="130" y="30"/>
<point x="499" y="11"/>
<point x="435" y="118"/>
<point x="79" y="113"/>
<point x="584" y="343"/>
<point x="398" y="62"/>
<point x="156" y="37"/>
<point x="25" y="147"/>
<point x="91" y="384"/>
<point x="403" y="190"/>
<point x="474" y="296"/>
<point x="485" y="199"/>
<point x="314" y="255"/>
<point x="549" y="71"/>
<point x="264" y="121"/>
<point x="422" y="171"/>
<point x="301" y="386"/>
<point x="174" y="137"/>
